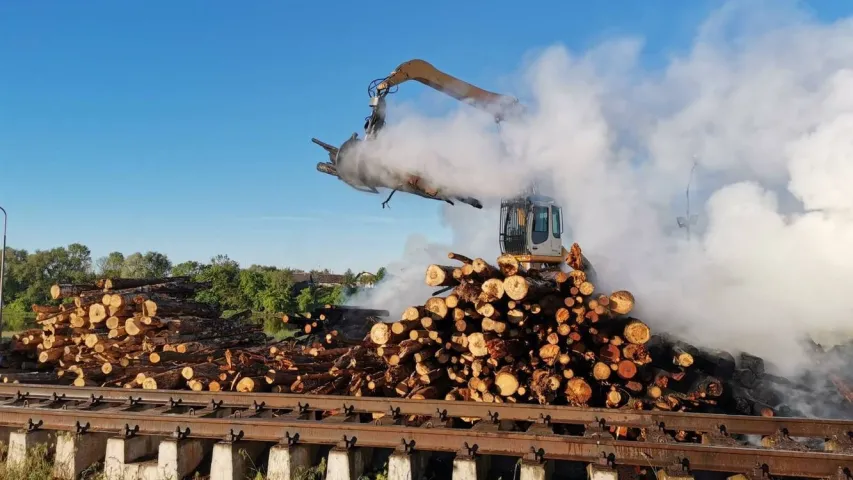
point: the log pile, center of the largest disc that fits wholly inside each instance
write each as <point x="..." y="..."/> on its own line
<point x="503" y="334"/>
<point x="499" y="334"/>
<point x="150" y="334"/>
<point x="127" y="332"/>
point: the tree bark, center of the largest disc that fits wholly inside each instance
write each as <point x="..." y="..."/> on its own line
<point x="124" y="283"/>
<point x="67" y="290"/>
<point x="168" y="380"/>
<point x="164" y="306"/>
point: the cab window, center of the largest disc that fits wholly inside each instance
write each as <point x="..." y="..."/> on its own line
<point x="556" y="222"/>
<point x="540" y="224"/>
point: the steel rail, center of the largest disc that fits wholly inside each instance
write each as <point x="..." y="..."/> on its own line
<point x="692" y="422"/>
<point x="559" y="447"/>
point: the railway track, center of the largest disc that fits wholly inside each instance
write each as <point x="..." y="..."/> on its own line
<point x="715" y="443"/>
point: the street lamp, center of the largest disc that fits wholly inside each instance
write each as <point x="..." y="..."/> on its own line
<point x="2" y="267"/>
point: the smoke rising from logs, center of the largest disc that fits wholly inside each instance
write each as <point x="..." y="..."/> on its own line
<point x="761" y="103"/>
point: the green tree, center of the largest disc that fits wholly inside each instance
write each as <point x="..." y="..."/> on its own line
<point x="30" y="275"/>
<point x="157" y="265"/>
<point x="224" y="275"/>
<point x="278" y="294"/>
<point x="349" y="283"/>
<point x="380" y="275"/>
<point x="77" y="260"/>
<point x="190" y="269"/>
<point x="15" y="284"/>
<point x="148" y="265"/>
<point x="253" y="282"/>
<point x="305" y="300"/>
<point x="111" y="265"/>
<point x="331" y="296"/>
<point x="133" y="266"/>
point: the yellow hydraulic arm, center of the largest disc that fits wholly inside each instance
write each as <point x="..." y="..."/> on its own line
<point x="500" y="106"/>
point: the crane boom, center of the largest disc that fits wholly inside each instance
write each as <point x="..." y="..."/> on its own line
<point x="499" y="106"/>
<point x="425" y="73"/>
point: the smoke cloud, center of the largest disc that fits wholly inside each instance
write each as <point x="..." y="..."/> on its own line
<point x="761" y="105"/>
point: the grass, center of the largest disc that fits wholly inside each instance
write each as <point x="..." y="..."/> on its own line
<point x="38" y="465"/>
<point x="316" y="472"/>
<point x="283" y="334"/>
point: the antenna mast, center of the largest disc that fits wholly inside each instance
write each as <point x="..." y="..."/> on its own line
<point x="686" y="221"/>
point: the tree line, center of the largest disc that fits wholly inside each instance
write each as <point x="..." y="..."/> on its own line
<point x="259" y="288"/>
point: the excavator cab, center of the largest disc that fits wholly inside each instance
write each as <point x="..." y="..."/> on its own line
<point x="531" y="227"/>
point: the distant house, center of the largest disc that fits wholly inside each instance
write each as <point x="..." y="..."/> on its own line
<point x="302" y="280"/>
<point x="365" y="280"/>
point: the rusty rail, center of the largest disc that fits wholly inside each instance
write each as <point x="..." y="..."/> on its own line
<point x="697" y="457"/>
<point x="691" y="422"/>
<point x="288" y="418"/>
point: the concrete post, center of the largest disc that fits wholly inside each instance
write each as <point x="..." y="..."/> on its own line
<point x="286" y="461"/>
<point x="531" y="470"/>
<point x="471" y="467"/>
<point x="599" y="472"/>
<point x="77" y="452"/>
<point x="178" y="458"/>
<point x="234" y="460"/>
<point x="22" y="441"/>
<point x="347" y="463"/>
<point x="407" y="465"/>
<point x="123" y="453"/>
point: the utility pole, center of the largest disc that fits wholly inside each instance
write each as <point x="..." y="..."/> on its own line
<point x="2" y="267"/>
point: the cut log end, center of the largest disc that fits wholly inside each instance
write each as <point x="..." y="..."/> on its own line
<point x="477" y="345"/>
<point x="601" y="371"/>
<point x="437" y="307"/>
<point x="621" y="302"/>
<point x="637" y="332"/>
<point x="440" y="276"/>
<point x="507" y="383"/>
<point x="508" y="265"/>
<point x="626" y="369"/>
<point x="493" y="288"/>
<point x="380" y="333"/>
<point x="249" y="384"/>
<point x="578" y="391"/>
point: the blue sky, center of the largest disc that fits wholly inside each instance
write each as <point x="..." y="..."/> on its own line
<point x="184" y="127"/>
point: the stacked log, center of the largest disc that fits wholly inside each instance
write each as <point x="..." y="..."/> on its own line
<point x="503" y="334"/>
<point x="499" y="333"/>
<point x="120" y="332"/>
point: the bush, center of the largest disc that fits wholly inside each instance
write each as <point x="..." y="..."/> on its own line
<point x="15" y="320"/>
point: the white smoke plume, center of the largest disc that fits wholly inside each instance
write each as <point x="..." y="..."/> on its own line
<point x="762" y="103"/>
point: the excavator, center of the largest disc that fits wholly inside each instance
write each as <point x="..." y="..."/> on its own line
<point x="531" y="225"/>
